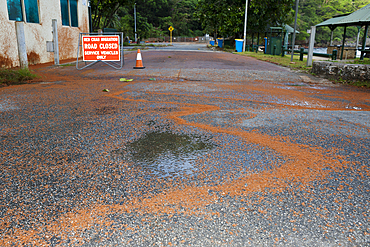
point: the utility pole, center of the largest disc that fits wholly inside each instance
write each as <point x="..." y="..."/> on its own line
<point x="135" y="22"/>
<point x="295" y="28"/>
<point x="245" y="26"/>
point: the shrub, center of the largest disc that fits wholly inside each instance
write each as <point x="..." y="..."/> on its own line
<point x="15" y="76"/>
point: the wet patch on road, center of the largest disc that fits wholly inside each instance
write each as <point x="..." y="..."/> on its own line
<point x="7" y="105"/>
<point x="164" y="153"/>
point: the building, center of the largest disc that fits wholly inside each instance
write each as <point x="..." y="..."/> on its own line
<point x="72" y="18"/>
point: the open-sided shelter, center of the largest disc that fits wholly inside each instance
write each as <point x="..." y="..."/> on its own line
<point x="360" y="18"/>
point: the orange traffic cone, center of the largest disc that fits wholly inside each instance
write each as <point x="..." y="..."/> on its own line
<point x="139" y="61"/>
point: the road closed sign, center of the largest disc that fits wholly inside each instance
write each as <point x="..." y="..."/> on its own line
<point x="104" y="48"/>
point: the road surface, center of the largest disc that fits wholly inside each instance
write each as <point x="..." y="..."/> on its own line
<point x="200" y="149"/>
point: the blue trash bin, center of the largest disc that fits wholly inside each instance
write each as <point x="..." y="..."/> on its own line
<point x="239" y="45"/>
<point x="212" y="42"/>
<point x="220" y="43"/>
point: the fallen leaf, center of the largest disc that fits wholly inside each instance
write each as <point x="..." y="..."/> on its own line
<point x="124" y="79"/>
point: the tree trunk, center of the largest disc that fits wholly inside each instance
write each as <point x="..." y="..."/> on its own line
<point x="109" y="20"/>
<point x="96" y="16"/>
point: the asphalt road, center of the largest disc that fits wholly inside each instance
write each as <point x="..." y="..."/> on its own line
<point x="183" y="46"/>
<point x="176" y="46"/>
<point x="199" y="149"/>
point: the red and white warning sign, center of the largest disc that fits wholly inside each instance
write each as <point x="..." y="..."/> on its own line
<point x="105" y="48"/>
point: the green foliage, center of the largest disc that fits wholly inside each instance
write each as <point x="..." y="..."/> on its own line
<point x="153" y="17"/>
<point x="358" y="61"/>
<point x="360" y="83"/>
<point x="227" y="17"/>
<point x="103" y="12"/>
<point x="183" y="19"/>
<point x="15" y="76"/>
<point x="313" y="12"/>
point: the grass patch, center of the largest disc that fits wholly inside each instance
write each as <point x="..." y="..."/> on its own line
<point x="355" y="83"/>
<point x="130" y="44"/>
<point x="155" y="45"/>
<point x="145" y="44"/>
<point x="136" y="48"/>
<point x="358" y="61"/>
<point x="67" y="65"/>
<point x="16" y="76"/>
<point x="283" y="61"/>
<point x="361" y="84"/>
<point x="301" y="65"/>
<point x="353" y="61"/>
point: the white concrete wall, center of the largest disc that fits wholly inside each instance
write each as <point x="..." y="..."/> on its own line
<point x="8" y="39"/>
<point x="38" y="34"/>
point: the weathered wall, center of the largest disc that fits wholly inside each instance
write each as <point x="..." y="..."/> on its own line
<point x="353" y="72"/>
<point x="348" y="53"/>
<point x="68" y="36"/>
<point x="8" y="43"/>
<point x="37" y="34"/>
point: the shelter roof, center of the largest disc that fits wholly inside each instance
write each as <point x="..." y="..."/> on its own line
<point x="286" y="28"/>
<point x="330" y="22"/>
<point x="289" y="29"/>
<point x="358" y="18"/>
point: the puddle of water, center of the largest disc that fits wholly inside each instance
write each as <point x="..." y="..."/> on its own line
<point x="353" y="107"/>
<point x="166" y="153"/>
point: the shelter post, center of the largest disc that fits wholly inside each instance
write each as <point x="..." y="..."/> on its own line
<point x="311" y="45"/>
<point x="358" y="38"/>
<point x="331" y="36"/>
<point x="364" y="42"/>
<point x="344" y="40"/>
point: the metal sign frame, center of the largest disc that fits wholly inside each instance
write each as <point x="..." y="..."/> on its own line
<point x="115" y="65"/>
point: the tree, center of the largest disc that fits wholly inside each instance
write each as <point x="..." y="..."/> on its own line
<point x="313" y="12"/>
<point x="153" y="16"/>
<point x="227" y="17"/>
<point x="103" y="11"/>
<point x="182" y="17"/>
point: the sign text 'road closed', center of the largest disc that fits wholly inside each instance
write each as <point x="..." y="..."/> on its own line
<point x="105" y="48"/>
